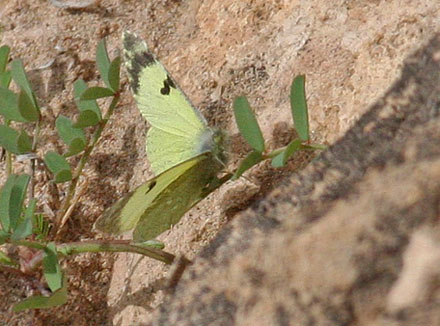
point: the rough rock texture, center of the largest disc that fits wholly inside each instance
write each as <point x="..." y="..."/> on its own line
<point x="351" y="52"/>
<point x="351" y="240"/>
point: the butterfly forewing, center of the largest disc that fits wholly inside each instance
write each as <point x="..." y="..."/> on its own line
<point x="164" y="106"/>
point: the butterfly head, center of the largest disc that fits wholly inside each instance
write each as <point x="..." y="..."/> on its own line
<point x="215" y="141"/>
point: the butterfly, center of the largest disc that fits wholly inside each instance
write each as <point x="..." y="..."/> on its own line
<point x="185" y="154"/>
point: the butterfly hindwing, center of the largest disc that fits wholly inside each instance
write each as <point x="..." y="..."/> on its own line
<point x="173" y="149"/>
<point x="125" y="214"/>
<point x="174" y="201"/>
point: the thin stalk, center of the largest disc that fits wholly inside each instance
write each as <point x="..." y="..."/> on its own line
<point x="8" y="156"/>
<point x="28" y="243"/>
<point x="8" y="163"/>
<point x="274" y="153"/>
<point x="31" y="187"/>
<point x="74" y="248"/>
<point x="277" y="151"/>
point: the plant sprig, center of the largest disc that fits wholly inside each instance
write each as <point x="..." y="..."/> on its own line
<point x="21" y="223"/>
<point x="250" y="130"/>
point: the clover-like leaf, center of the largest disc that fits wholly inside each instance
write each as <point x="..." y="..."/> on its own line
<point x="113" y="74"/>
<point x="74" y="138"/>
<point x="14" y="141"/>
<point x="26" y="108"/>
<point x="9" y="105"/>
<point x="103" y="62"/>
<point x="51" y="268"/>
<point x="5" y="78"/>
<point x="58" y="298"/>
<point x="24" y="227"/>
<point x="59" y="166"/>
<point x="247" y="124"/>
<point x="4" y="57"/>
<point x="90" y="115"/>
<point x="20" y="78"/>
<point x="93" y="93"/>
<point x="12" y="196"/>
<point x="298" y="105"/>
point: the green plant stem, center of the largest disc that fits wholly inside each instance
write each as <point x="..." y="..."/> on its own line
<point x="76" y="175"/>
<point x="8" y="163"/>
<point x="28" y="243"/>
<point x="74" y="248"/>
<point x="274" y="153"/>
<point x="312" y="147"/>
<point x="114" y="246"/>
<point x="8" y="156"/>
<point x="31" y="187"/>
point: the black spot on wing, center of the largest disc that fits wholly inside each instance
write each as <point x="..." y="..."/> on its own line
<point x="151" y="186"/>
<point x="139" y="62"/>
<point x="167" y="84"/>
<point x="138" y="57"/>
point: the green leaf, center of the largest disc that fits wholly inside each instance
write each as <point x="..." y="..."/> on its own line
<point x="4" y="57"/>
<point x="51" y="267"/>
<point x="103" y="62"/>
<point x="74" y="138"/>
<point x="252" y="159"/>
<point x="5" y="197"/>
<point x="113" y="74"/>
<point x="24" y="143"/>
<point x="14" y="141"/>
<point x="12" y="197"/>
<point x="94" y="93"/>
<point x="59" y="166"/>
<point x="26" y="108"/>
<point x="19" y="76"/>
<point x="24" y="228"/>
<point x="247" y="124"/>
<point x="87" y="118"/>
<point x="5" y="78"/>
<point x="18" y="194"/>
<point x="8" y="138"/>
<point x="79" y="86"/>
<point x="90" y="115"/>
<point x="9" y="105"/>
<point x="298" y="104"/>
<point x="281" y="159"/>
<point x="58" y="298"/>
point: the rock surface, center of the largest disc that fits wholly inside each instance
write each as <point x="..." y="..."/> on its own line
<point x="352" y="239"/>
